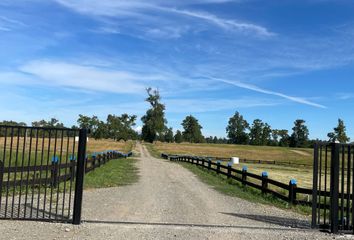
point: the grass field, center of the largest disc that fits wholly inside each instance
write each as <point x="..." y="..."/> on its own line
<point x="279" y="172"/>
<point x="117" y="172"/>
<point x="294" y="155"/>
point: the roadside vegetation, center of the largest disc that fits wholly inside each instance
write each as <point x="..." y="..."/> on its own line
<point x="232" y="188"/>
<point x="117" y="172"/>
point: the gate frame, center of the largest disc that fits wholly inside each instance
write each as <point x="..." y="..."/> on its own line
<point x="334" y="184"/>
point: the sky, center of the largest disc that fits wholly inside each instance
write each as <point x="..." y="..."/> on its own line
<point x="274" y="60"/>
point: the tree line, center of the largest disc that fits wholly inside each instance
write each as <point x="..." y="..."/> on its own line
<point x="238" y="130"/>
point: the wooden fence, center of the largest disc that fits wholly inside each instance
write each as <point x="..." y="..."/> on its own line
<point x="56" y="172"/>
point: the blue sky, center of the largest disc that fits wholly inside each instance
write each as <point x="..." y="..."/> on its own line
<point x="274" y="60"/>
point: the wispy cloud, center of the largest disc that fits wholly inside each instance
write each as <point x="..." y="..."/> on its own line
<point x="160" y="14"/>
<point x="92" y="78"/>
<point x="8" y="24"/>
<point x="269" y="92"/>
<point x="230" y="25"/>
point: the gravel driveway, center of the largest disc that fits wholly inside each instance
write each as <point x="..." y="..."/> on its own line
<point x="168" y="202"/>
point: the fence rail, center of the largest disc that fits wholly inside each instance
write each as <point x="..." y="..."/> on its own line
<point x="290" y="192"/>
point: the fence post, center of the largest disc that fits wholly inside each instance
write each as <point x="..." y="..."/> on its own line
<point x="292" y="191"/>
<point x="54" y="171"/>
<point x="80" y="176"/>
<point x="93" y="161"/>
<point x="334" y="187"/>
<point x="264" y="182"/>
<point x="229" y="170"/>
<point x="218" y="167"/>
<point x="244" y="175"/>
<point x="209" y="164"/>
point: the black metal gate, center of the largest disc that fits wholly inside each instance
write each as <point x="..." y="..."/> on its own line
<point x="41" y="173"/>
<point x="333" y="187"/>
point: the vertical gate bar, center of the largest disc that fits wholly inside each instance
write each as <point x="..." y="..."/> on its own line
<point x="21" y="170"/>
<point x="74" y="174"/>
<point x="342" y="187"/>
<point x="9" y="172"/>
<point x="334" y="185"/>
<point x="40" y="173"/>
<point x="52" y="183"/>
<point x="314" y="187"/>
<point x="4" y="161"/>
<point x="15" y="177"/>
<point x="34" y="172"/>
<point x="320" y="186"/>
<point x="66" y="171"/>
<point x="28" y="171"/>
<point x="80" y="176"/>
<point x="325" y="186"/>
<point x="46" y="172"/>
<point x="58" y="181"/>
<point x="348" y="189"/>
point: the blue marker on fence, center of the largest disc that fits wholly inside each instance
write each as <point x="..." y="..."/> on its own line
<point x="72" y="158"/>
<point x="55" y="159"/>
<point x="244" y="168"/>
<point x="264" y="174"/>
<point x="293" y="182"/>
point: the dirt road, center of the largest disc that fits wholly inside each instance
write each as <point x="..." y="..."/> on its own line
<point x="168" y="202"/>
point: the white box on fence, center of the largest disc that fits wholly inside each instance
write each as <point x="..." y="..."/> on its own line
<point x="235" y="160"/>
<point x="77" y="139"/>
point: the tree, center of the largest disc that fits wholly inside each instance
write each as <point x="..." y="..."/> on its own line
<point x="121" y="127"/>
<point x="300" y="135"/>
<point x="266" y="134"/>
<point x="339" y="133"/>
<point x="154" y="120"/>
<point x="236" y="129"/>
<point x="256" y="132"/>
<point x="178" y="137"/>
<point x="284" y="138"/>
<point x="192" y="130"/>
<point x="168" y="136"/>
<point x="97" y="128"/>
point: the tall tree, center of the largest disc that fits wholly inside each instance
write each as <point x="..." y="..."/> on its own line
<point x="256" y="132"/>
<point x="154" y="120"/>
<point x="266" y="134"/>
<point x="284" y="138"/>
<point x="121" y="127"/>
<point x="192" y="130"/>
<point x="339" y="133"/>
<point x="300" y="135"/>
<point x="178" y="137"/>
<point x="236" y="129"/>
<point x="168" y="135"/>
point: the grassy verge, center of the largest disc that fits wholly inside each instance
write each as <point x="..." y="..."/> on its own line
<point x="152" y="150"/>
<point x="235" y="189"/>
<point x="117" y="172"/>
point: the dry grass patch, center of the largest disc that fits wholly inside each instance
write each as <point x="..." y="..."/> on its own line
<point x="303" y="156"/>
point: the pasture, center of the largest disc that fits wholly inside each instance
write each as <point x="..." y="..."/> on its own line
<point x="290" y="163"/>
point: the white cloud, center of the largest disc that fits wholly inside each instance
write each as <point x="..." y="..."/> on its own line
<point x="269" y="92"/>
<point x="160" y="13"/>
<point x="201" y="105"/>
<point x="91" y="78"/>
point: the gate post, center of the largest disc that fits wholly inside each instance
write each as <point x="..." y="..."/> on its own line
<point x="80" y="176"/>
<point x="334" y="187"/>
<point x="315" y="187"/>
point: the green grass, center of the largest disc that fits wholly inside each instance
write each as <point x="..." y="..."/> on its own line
<point x="152" y="150"/>
<point x="117" y="172"/>
<point x="232" y="188"/>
